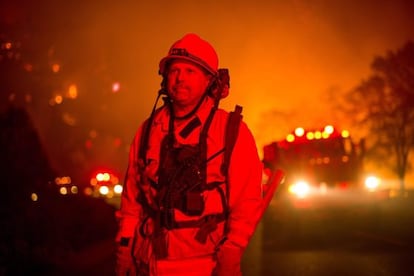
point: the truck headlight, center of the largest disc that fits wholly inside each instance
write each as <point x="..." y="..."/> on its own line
<point x="372" y="183"/>
<point x="300" y="188"/>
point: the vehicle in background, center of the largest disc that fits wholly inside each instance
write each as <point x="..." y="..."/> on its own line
<point x="65" y="185"/>
<point x="104" y="184"/>
<point x="322" y="166"/>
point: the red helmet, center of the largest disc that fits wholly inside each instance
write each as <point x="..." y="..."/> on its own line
<point x="192" y="48"/>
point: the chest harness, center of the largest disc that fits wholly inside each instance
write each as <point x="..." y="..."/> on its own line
<point x="183" y="177"/>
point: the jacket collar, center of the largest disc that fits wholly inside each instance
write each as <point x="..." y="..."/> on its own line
<point x="202" y="114"/>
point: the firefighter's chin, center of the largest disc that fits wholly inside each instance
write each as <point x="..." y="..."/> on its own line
<point x="180" y="94"/>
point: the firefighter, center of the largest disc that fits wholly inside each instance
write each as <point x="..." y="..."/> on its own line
<point x="185" y="210"/>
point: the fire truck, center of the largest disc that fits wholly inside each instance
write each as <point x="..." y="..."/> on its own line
<point x="105" y="184"/>
<point x="325" y="185"/>
<point x="320" y="165"/>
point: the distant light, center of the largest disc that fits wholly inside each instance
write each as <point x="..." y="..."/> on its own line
<point x="73" y="91"/>
<point x="103" y="176"/>
<point x="118" y="188"/>
<point x="103" y="190"/>
<point x="87" y="191"/>
<point x="63" y="180"/>
<point x="116" y="86"/>
<point x="300" y="188"/>
<point x="7" y="45"/>
<point x="299" y="131"/>
<point x="345" y="133"/>
<point x="55" y="67"/>
<point x="290" y="138"/>
<point x="69" y="119"/>
<point x="318" y="135"/>
<point x="63" y="191"/>
<point x="99" y="177"/>
<point x="74" y="189"/>
<point x="329" y="129"/>
<point x="325" y="135"/>
<point x="34" y="197"/>
<point x="58" y="99"/>
<point x="93" y="181"/>
<point x="310" y="136"/>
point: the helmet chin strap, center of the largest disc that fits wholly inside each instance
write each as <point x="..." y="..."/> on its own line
<point x="168" y="102"/>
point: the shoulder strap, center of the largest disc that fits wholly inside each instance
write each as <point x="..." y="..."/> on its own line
<point x="232" y="131"/>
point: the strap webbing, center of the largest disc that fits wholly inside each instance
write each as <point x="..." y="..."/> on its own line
<point x="232" y="131"/>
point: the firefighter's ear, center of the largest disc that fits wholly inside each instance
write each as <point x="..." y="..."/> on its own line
<point x="221" y="84"/>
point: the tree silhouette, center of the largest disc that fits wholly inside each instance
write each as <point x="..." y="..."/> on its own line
<point x="385" y="104"/>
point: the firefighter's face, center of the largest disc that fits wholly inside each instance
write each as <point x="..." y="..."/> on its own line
<point x="186" y="83"/>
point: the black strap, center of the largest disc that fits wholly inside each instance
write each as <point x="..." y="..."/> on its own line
<point x="232" y="131"/>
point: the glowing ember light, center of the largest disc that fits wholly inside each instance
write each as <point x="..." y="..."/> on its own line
<point x="34" y="197"/>
<point x="372" y="183"/>
<point x="63" y="180"/>
<point x="68" y="119"/>
<point x="115" y="87"/>
<point x="73" y="91"/>
<point x="93" y="181"/>
<point x="55" y="68"/>
<point x="58" y="99"/>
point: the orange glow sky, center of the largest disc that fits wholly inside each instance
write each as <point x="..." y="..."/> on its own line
<point x="284" y="56"/>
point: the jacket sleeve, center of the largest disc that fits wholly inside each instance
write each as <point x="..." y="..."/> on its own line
<point x="130" y="211"/>
<point x="245" y="189"/>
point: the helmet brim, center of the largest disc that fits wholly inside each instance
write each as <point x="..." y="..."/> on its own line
<point x="166" y="60"/>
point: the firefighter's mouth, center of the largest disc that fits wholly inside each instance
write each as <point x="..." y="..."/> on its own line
<point x="180" y="88"/>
